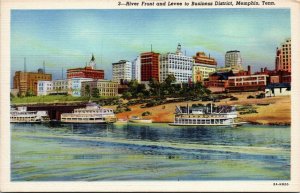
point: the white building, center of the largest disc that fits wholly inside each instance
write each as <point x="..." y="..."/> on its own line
<point x="44" y="87"/>
<point x="233" y="60"/>
<point x="177" y="64"/>
<point x="122" y="71"/>
<point x="136" y="69"/>
<point x="76" y="85"/>
<point x="278" y="89"/>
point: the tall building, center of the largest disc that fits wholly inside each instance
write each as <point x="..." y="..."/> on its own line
<point x="105" y="87"/>
<point x="233" y="60"/>
<point x="122" y="71"/>
<point x="136" y="69"/>
<point x="86" y="72"/>
<point x="28" y="81"/>
<point x="149" y="66"/>
<point x="203" y="67"/>
<point x="283" y="57"/>
<point x="177" y="64"/>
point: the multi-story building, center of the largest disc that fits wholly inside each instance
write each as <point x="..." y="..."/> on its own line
<point x="283" y="57"/>
<point x="218" y="81"/>
<point x="86" y="72"/>
<point x="44" y="87"/>
<point x="122" y="71"/>
<point x="149" y="66"/>
<point x="203" y="67"/>
<point x="105" y="87"/>
<point x="28" y="81"/>
<point x="77" y="85"/>
<point x="62" y="86"/>
<point x="233" y="60"/>
<point x="247" y="83"/>
<point x="177" y="64"/>
<point x="136" y="69"/>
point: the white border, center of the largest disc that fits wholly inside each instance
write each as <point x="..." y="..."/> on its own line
<point x="116" y="186"/>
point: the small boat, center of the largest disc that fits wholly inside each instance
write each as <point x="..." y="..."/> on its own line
<point x="92" y="113"/>
<point x="209" y="115"/>
<point x="21" y="115"/>
<point x="121" y="121"/>
<point x="136" y="119"/>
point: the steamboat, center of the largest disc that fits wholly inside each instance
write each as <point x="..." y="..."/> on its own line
<point x="208" y="115"/>
<point x="21" y="115"/>
<point x="92" y="113"/>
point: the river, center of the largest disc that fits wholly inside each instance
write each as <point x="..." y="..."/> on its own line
<point x="47" y="152"/>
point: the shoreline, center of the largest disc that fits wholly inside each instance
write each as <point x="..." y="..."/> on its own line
<point x="264" y="111"/>
<point x="274" y="111"/>
<point x="252" y="123"/>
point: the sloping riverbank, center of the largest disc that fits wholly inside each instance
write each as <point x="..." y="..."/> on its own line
<point x="273" y="111"/>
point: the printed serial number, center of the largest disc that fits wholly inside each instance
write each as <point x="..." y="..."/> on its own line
<point x="280" y="184"/>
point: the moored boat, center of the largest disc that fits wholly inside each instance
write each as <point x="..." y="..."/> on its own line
<point x="209" y="115"/>
<point x="21" y="115"/>
<point x="121" y="121"/>
<point x="136" y="119"/>
<point x="92" y="113"/>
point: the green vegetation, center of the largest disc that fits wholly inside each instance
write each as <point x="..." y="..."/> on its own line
<point x="166" y="89"/>
<point x="95" y="93"/>
<point x="233" y="98"/>
<point x="87" y="90"/>
<point x="122" y="107"/>
<point x="57" y="99"/>
<point x="147" y="113"/>
<point x="246" y="109"/>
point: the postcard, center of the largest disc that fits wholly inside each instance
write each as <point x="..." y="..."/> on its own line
<point x="150" y="95"/>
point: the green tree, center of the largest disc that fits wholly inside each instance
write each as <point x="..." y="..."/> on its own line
<point x="11" y="96"/>
<point x="127" y="95"/>
<point x="154" y="87"/>
<point x="29" y="93"/>
<point x="140" y="95"/>
<point x="95" y="93"/>
<point x="170" y="79"/>
<point x="87" y="90"/>
<point x="168" y="85"/>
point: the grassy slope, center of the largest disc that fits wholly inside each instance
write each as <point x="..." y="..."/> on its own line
<point x="52" y="99"/>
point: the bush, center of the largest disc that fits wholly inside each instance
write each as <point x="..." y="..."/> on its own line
<point x="206" y="98"/>
<point x="260" y="96"/>
<point x="250" y="97"/>
<point x="234" y="98"/>
<point x="147" y="113"/>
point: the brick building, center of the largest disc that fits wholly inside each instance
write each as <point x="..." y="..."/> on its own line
<point x="247" y="83"/>
<point x="149" y="66"/>
<point x="86" y="72"/>
<point x="283" y="57"/>
<point x="28" y="81"/>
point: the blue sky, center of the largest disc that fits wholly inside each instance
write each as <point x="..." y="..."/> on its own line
<point x="67" y="38"/>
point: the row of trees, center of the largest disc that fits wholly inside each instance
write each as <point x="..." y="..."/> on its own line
<point x="88" y="93"/>
<point x="164" y="89"/>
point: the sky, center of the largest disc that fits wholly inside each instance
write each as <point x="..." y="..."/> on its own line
<point x="67" y="38"/>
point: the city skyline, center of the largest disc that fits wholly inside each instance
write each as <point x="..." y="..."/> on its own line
<point x="70" y="37"/>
